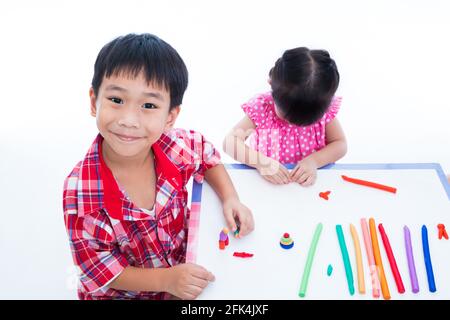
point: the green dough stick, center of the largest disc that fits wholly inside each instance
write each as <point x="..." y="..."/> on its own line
<point x="311" y="252"/>
<point x="345" y="258"/>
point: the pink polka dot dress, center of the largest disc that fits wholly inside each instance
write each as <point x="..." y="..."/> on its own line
<point x="280" y="140"/>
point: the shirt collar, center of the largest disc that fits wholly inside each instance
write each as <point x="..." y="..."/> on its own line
<point x="103" y="190"/>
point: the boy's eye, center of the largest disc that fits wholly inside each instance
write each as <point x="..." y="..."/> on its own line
<point x="149" y="106"/>
<point x="116" y="100"/>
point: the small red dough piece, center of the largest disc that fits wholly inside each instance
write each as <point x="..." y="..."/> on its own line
<point x="442" y="231"/>
<point x="243" y="254"/>
<point x="286" y="235"/>
<point x="324" y="195"/>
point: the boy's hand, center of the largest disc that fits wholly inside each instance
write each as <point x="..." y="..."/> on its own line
<point x="272" y="170"/>
<point x="305" y="172"/>
<point x="187" y="281"/>
<point x="234" y="211"/>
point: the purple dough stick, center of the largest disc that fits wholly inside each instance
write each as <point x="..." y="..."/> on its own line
<point x="411" y="265"/>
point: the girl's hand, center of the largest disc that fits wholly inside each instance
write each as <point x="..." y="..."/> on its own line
<point x="187" y="280"/>
<point x="235" y="212"/>
<point x="272" y="170"/>
<point x="305" y="172"/>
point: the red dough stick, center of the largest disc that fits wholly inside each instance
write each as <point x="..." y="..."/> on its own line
<point x="243" y="254"/>
<point x="370" y="184"/>
<point x="391" y="258"/>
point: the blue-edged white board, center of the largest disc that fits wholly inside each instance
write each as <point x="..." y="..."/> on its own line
<point x="422" y="198"/>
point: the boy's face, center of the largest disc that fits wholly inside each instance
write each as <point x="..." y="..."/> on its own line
<point x="131" y="114"/>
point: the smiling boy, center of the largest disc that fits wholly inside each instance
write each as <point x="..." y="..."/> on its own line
<point x="125" y="204"/>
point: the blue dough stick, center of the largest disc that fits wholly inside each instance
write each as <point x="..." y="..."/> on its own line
<point x="427" y="257"/>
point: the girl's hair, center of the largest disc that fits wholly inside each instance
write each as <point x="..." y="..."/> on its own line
<point x="303" y="83"/>
<point x="135" y="53"/>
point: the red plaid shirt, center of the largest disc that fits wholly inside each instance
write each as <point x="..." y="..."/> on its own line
<point x="107" y="232"/>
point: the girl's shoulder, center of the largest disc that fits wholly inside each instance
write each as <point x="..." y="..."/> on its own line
<point x="259" y="108"/>
<point x="259" y="100"/>
<point x="333" y="109"/>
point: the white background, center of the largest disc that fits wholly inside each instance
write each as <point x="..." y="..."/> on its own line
<point x="393" y="57"/>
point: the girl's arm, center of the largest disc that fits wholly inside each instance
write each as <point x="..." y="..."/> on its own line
<point x="336" y="145"/>
<point x="234" y="145"/>
<point x="220" y="181"/>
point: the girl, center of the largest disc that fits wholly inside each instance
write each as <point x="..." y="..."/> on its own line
<point x="295" y="123"/>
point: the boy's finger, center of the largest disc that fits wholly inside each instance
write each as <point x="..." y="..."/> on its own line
<point x="187" y="295"/>
<point x="247" y="226"/>
<point x="192" y="292"/>
<point x="205" y="276"/>
<point x="210" y="277"/>
<point x="228" y="213"/>
<point x="202" y="273"/>
<point x="199" y="282"/>
<point x="243" y="227"/>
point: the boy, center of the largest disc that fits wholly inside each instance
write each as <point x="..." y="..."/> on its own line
<point x="125" y="203"/>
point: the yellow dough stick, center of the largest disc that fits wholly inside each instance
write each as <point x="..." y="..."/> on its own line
<point x="359" y="266"/>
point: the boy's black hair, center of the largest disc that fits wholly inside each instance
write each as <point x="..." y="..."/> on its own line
<point x="135" y="53"/>
<point x="303" y="83"/>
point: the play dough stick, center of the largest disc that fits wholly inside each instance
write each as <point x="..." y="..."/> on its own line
<point x="359" y="265"/>
<point x="427" y="257"/>
<point x="410" y="257"/>
<point x="371" y="259"/>
<point x="309" y="260"/>
<point x="391" y="258"/>
<point x="377" y="255"/>
<point x="345" y="258"/>
<point x="370" y="184"/>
